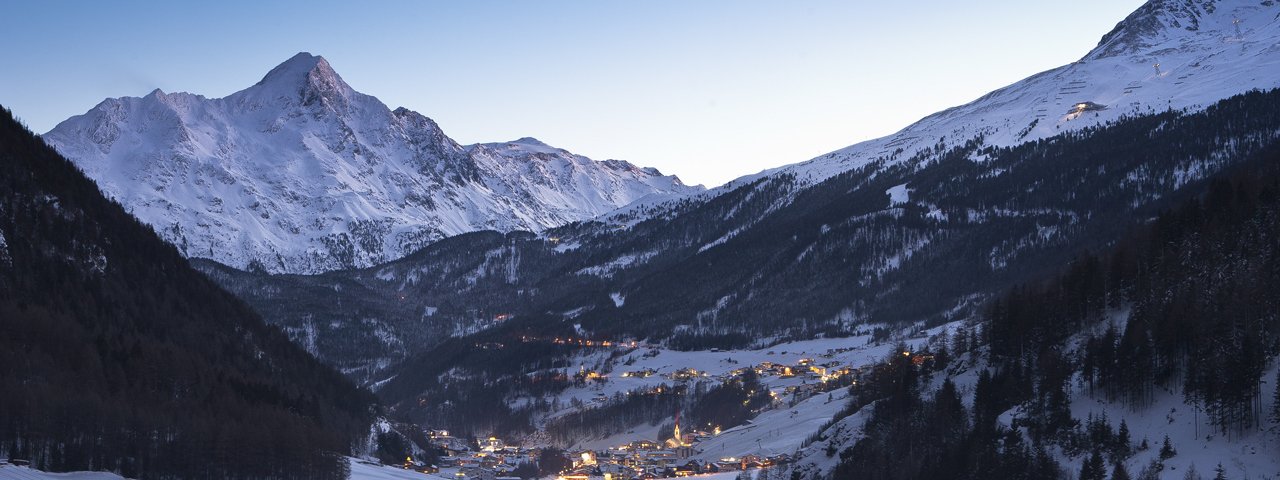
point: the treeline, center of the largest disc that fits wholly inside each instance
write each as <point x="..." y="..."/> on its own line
<point x="913" y="433"/>
<point x="1200" y="286"/>
<point x="1187" y="301"/>
<point x="116" y="355"/>
<point x="973" y="227"/>
<point x="623" y="412"/>
<point x="704" y="405"/>
<point x="470" y="385"/>
<point x="910" y="437"/>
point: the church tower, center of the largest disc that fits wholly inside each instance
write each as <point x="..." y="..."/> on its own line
<point x="679" y="438"/>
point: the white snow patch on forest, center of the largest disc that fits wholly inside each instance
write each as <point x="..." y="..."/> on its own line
<point x="605" y="270"/>
<point x="4" y="250"/>
<point x="12" y="472"/>
<point x="898" y="195"/>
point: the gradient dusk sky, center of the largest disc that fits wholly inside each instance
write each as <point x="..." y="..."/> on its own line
<point x="707" y="90"/>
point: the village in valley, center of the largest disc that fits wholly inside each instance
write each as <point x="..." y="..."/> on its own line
<point x="806" y="383"/>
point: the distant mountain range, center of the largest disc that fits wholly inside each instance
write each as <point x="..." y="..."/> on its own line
<point x="919" y="226"/>
<point x="302" y="174"/>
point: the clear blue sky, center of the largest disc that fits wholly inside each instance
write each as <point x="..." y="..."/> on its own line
<point x="708" y="90"/>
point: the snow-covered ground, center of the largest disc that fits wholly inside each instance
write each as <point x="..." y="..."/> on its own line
<point x="781" y="429"/>
<point x="850" y="351"/>
<point x="1254" y="453"/>
<point x="360" y="470"/>
<point x="365" y="470"/>
<point x="777" y="431"/>
<point x="10" y="472"/>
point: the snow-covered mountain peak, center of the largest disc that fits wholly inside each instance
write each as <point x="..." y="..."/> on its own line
<point x="298" y="70"/>
<point x="303" y="79"/>
<point x="1159" y="21"/>
<point x="300" y="173"/>
<point x="530" y="141"/>
<point x="1168" y="54"/>
<point x="524" y="147"/>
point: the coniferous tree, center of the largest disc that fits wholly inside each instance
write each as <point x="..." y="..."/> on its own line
<point x="1275" y="402"/>
<point x="1219" y="473"/>
<point x="1119" y="472"/>
<point x="1123" y="448"/>
<point x="1166" y="449"/>
<point x="1094" y="468"/>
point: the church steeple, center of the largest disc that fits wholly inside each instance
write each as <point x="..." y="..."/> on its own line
<point x="676" y="433"/>
<point x="677" y="438"/>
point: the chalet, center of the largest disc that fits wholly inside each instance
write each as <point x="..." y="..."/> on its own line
<point x="728" y="464"/>
<point x="921" y="359"/>
<point x="659" y="457"/>
<point x="616" y="470"/>
<point x="645" y="373"/>
<point x="475" y="474"/>
<point x="694" y="467"/>
<point x="491" y="444"/>
<point x="686" y="374"/>
<point x="516" y="459"/>
<point x="449" y="461"/>
<point x="1086" y="107"/>
<point x="645" y="445"/>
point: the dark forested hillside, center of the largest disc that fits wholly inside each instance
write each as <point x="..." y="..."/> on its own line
<point x="1090" y="188"/>
<point x="1188" y="303"/>
<point x="116" y="355"/>
<point x="776" y="259"/>
<point x="768" y="259"/>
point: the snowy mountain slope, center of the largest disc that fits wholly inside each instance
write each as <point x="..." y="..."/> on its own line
<point x="301" y="173"/>
<point x="780" y="428"/>
<point x="744" y="266"/>
<point x="922" y="236"/>
<point x="1168" y="54"/>
<point x="1198" y="445"/>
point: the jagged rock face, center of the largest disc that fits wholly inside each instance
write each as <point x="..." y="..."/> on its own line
<point x="1153" y="22"/>
<point x="302" y="174"/>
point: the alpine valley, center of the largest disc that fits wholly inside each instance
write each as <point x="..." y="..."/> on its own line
<point x="1073" y="276"/>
